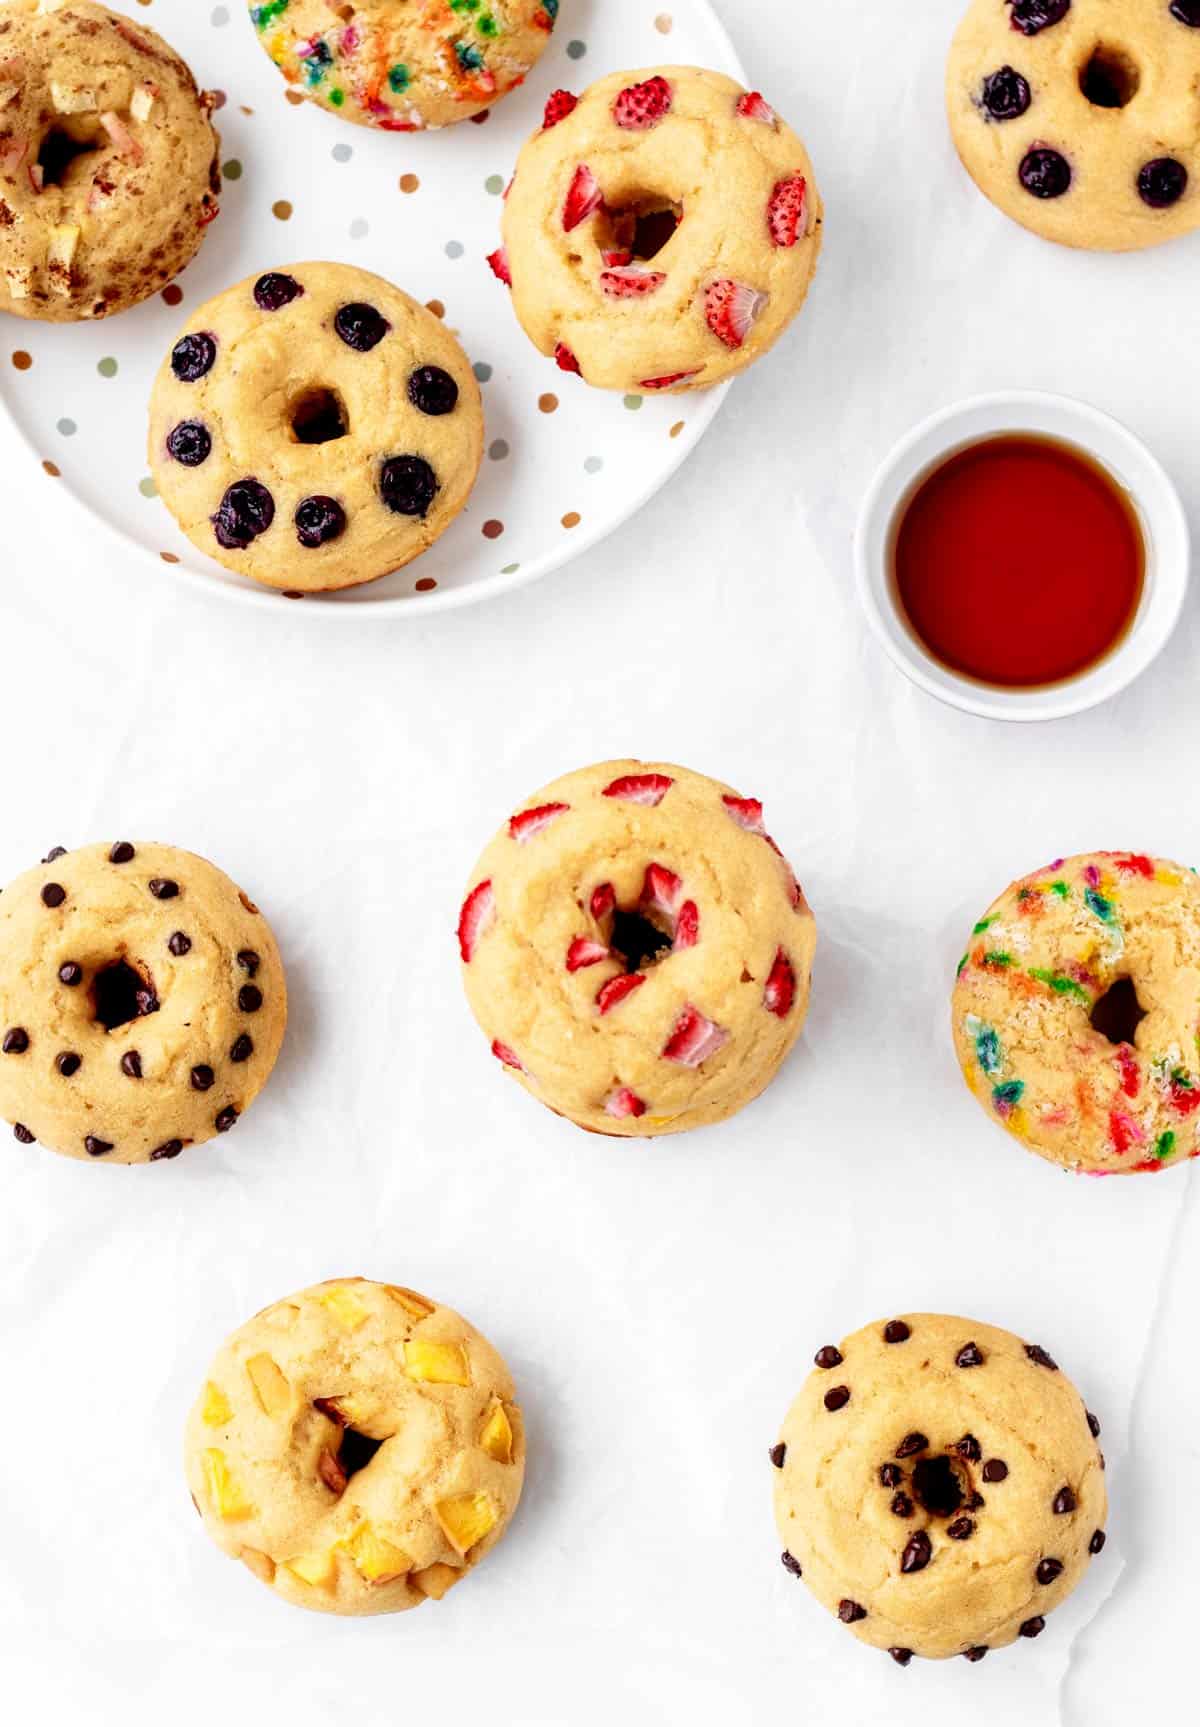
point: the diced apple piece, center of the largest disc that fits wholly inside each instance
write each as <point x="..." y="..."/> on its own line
<point x="345" y="1306"/>
<point x="60" y="254"/>
<point x="228" y="1499"/>
<point x="123" y="140"/>
<point x="18" y="280"/>
<point x="215" y="1410"/>
<point x="466" y="1519"/>
<point x="315" y="1569"/>
<point x="45" y="6"/>
<point x="141" y="103"/>
<point x="68" y="100"/>
<point x="497" y="1436"/>
<point x="435" y="1580"/>
<point x="8" y="93"/>
<point x="260" y="1563"/>
<point x="376" y="1559"/>
<point x="270" y="1386"/>
<point x="410" y="1301"/>
<point x="436" y="1363"/>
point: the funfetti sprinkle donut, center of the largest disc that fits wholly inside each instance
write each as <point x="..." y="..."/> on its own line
<point x="404" y="65"/>
<point x="1079" y="118"/>
<point x="661" y="230"/>
<point x="938" y="1486"/>
<point x="108" y="161"/>
<point x="358" y="1447"/>
<point x="637" y="950"/>
<point x="1077" y="1012"/>
<point x="142" y="1002"/>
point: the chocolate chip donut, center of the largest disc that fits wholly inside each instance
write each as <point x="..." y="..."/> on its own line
<point x="661" y="231"/>
<point x="938" y="1486"/>
<point x="315" y="428"/>
<point x="637" y="950"/>
<point x="358" y="1447"/>
<point x="108" y="161"/>
<point x="1077" y="1012"/>
<point x="1079" y="118"/>
<point x="142" y="1002"/>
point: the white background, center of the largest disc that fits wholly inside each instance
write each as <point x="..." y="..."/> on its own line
<point x="659" y="1305"/>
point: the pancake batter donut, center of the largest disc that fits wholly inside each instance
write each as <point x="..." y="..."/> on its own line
<point x="315" y="428"/>
<point x="637" y="950"/>
<point x="938" y="1486"/>
<point x="1077" y="1012"/>
<point x="358" y="1447"/>
<point x="1079" y="119"/>
<point x="661" y="231"/>
<point x="404" y="65"/>
<point x="108" y="161"/>
<point x="142" y="1002"/>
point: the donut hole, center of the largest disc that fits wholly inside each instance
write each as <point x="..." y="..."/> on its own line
<point x="643" y="227"/>
<point x="318" y="416"/>
<point x="356" y="1450"/>
<point x="937" y="1486"/>
<point x="638" y="941"/>
<point x="1117" y="1014"/>
<point x="1110" y="78"/>
<point x="121" y="993"/>
<point x="61" y="149"/>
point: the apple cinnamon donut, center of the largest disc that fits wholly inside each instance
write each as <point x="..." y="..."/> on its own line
<point x="1077" y="1012"/>
<point x="637" y="950"/>
<point x="142" y="1002"/>
<point x="108" y="161"/>
<point x="358" y="1447"/>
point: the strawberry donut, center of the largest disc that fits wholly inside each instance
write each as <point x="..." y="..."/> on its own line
<point x="637" y="950"/>
<point x="404" y="65"/>
<point x="661" y="230"/>
<point x="1077" y="1012"/>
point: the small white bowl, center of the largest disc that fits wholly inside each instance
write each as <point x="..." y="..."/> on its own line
<point x="1126" y="458"/>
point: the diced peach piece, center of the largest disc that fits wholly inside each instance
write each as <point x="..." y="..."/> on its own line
<point x="345" y="1306"/>
<point x="436" y="1363"/>
<point x="270" y="1385"/>
<point x="229" y="1502"/>
<point x="315" y="1569"/>
<point x="467" y="1518"/>
<point x="377" y="1559"/>
<point x="260" y="1563"/>
<point x="435" y="1580"/>
<point x="497" y="1436"/>
<point x="410" y="1301"/>
<point x="215" y="1410"/>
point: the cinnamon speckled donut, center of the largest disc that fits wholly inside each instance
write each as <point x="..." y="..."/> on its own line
<point x="637" y="950"/>
<point x="1077" y="1012"/>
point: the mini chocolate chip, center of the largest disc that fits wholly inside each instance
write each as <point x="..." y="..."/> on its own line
<point x="901" y="1657"/>
<point x="902" y="1506"/>
<point x="250" y="998"/>
<point x="975" y="1654"/>
<point x="970" y="1448"/>
<point x="1093" y="1425"/>
<point x="180" y="944"/>
<point x="432" y="390"/>
<point x="70" y="972"/>
<point x="96" y="1147"/>
<point x="895" y="1331"/>
<point x="777" y="1454"/>
<point x="838" y="1398"/>
<point x="1048" y="1570"/>
<point x="1064" y="1502"/>
<point x="68" y="1063"/>
<point x="243" y="1048"/>
<point x="131" y="1064"/>
<point x="961" y="1529"/>
<point x="408" y="485"/>
<point x="911" y="1444"/>
<point x="850" y="1612"/>
<point x="171" y="1148"/>
<point x="249" y="961"/>
<point x="122" y="852"/>
<point x="1033" y="1627"/>
<point x="164" y="888"/>
<point x="53" y="894"/>
<point x="203" y="1077"/>
<point x="995" y="1469"/>
<point x="360" y="326"/>
<point x="275" y="290"/>
<point x="1097" y="1541"/>
<point x="21" y="1132"/>
<point x="54" y="854"/>
<point x="790" y="1565"/>
<point x="891" y="1475"/>
<point x="917" y="1554"/>
<point x="16" y="1041"/>
<point x="226" y="1119"/>
<point x="970" y="1355"/>
<point x="1035" y="1352"/>
<point x="192" y="357"/>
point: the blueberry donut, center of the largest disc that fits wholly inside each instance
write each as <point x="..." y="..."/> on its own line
<point x="404" y="65"/>
<point x="636" y="949"/>
<point x="1079" y="118"/>
<point x="142" y="1002"/>
<point x="315" y="428"/>
<point x="1077" y="1012"/>
<point x="661" y="230"/>
<point x="358" y="1447"/>
<point x="938" y="1486"/>
<point x="108" y="161"/>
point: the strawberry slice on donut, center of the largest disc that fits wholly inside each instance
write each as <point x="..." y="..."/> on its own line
<point x="614" y="992"/>
<point x="731" y="310"/>
<point x="565" y="360"/>
<point x="560" y="104"/>
<point x="669" y="379"/>
<point x="754" y="106"/>
<point x="648" y="789"/>
<point x="640" y="107"/>
<point x="502" y="1053"/>
<point x="687" y="926"/>
<point x="583" y="952"/>
<point x="787" y="212"/>
<point x="475" y="919"/>
<point x="661" y="890"/>
<point x="624" y="1103"/>
<point x="695" y="1039"/>
<point x="747" y="812"/>
<point x="604" y="900"/>
<point x="584" y="198"/>
<point x="780" y="990"/>
<point x="498" y="263"/>
<point x="631" y="282"/>
<point x="527" y="823"/>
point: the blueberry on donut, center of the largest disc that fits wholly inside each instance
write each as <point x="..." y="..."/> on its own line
<point x="1077" y="1012"/>
<point x="637" y="950"/>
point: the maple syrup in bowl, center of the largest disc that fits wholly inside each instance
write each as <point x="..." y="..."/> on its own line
<point x="1022" y="556"/>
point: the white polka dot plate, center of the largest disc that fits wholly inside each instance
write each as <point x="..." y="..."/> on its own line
<point x="564" y="464"/>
